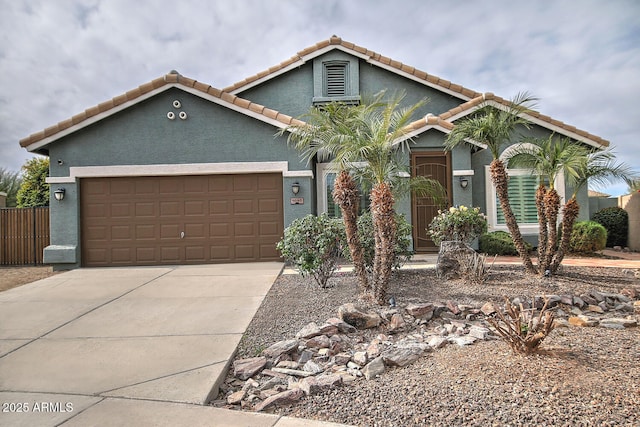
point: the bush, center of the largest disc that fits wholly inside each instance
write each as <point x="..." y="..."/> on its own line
<point x="402" y="252"/>
<point x="499" y="243"/>
<point x="459" y="224"/>
<point x="588" y="236"/>
<point x="313" y="244"/>
<point x="616" y="221"/>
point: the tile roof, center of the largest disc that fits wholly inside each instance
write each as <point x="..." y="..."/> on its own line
<point x="172" y="79"/>
<point x="534" y="116"/>
<point x="371" y="56"/>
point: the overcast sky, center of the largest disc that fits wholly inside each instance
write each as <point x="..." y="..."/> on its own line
<point x="581" y="57"/>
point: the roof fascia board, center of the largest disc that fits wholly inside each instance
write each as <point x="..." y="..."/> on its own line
<point x="534" y="120"/>
<point x="125" y="105"/>
<point x="93" y="119"/>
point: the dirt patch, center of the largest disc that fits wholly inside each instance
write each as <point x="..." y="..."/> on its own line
<point x="11" y="277"/>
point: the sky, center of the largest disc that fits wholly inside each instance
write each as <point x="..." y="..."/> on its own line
<point x="580" y="57"/>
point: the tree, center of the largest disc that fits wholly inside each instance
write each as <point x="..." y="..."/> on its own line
<point x="321" y="137"/>
<point x="10" y="184"/>
<point x="494" y="127"/>
<point x="366" y="141"/>
<point x="547" y="158"/>
<point x="598" y="167"/>
<point x="34" y="190"/>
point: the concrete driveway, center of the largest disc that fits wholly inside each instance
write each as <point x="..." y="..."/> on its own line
<point x="96" y="337"/>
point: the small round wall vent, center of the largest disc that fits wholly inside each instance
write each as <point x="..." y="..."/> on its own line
<point x="177" y="104"/>
<point x="171" y="115"/>
<point x="183" y="115"/>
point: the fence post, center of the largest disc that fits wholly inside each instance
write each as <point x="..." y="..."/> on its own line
<point x="35" y="237"/>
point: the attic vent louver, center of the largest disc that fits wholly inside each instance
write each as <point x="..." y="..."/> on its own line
<point x="335" y="79"/>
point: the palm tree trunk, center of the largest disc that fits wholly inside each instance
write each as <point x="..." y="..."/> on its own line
<point x="384" y="226"/>
<point x="346" y="195"/>
<point x="569" y="215"/>
<point x="500" y="180"/>
<point x="552" y="208"/>
<point x="542" y="224"/>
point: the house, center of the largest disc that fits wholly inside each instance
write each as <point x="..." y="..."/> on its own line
<point x="176" y="171"/>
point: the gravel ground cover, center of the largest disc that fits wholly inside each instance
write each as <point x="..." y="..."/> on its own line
<point x="583" y="376"/>
<point x="10" y="277"/>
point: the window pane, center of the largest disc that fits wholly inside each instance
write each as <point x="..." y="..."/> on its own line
<point x="522" y="197"/>
<point x="333" y="210"/>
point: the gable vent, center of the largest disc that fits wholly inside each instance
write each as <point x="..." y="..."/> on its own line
<point x="335" y="79"/>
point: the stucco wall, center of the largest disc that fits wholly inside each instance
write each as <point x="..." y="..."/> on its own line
<point x="631" y="204"/>
<point x="143" y="135"/>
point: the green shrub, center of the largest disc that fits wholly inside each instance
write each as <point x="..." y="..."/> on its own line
<point x="365" y="233"/>
<point x="459" y="224"/>
<point x="616" y="221"/>
<point x="499" y="243"/>
<point x="313" y="245"/>
<point x="587" y="237"/>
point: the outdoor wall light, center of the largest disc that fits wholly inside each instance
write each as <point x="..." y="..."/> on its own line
<point x="59" y="194"/>
<point x="464" y="182"/>
<point x="295" y="188"/>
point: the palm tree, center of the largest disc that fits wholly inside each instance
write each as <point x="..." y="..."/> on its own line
<point x="325" y="131"/>
<point x="371" y="135"/>
<point x="547" y="158"/>
<point x="494" y="127"/>
<point x="597" y="167"/>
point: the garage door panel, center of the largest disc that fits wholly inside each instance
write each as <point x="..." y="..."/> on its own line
<point x="139" y="220"/>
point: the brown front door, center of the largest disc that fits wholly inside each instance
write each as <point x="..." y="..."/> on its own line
<point x="434" y="165"/>
<point x="180" y="219"/>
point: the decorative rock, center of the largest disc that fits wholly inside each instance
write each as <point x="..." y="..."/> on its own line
<point x="314" y="385"/>
<point x="358" y="317"/>
<point x="453" y="307"/>
<point x="582" y="321"/>
<point x="597" y="296"/>
<point x="479" y="332"/>
<point x="321" y="341"/>
<point x="292" y="372"/>
<point x="281" y="399"/>
<point x="579" y="302"/>
<point x="462" y="340"/>
<point x="373" y="349"/>
<point x="280" y="347"/>
<point x="636" y="306"/>
<point x="488" y="309"/>
<point x="305" y="356"/>
<point x="309" y="331"/>
<point x="402" y="356"/>
<point x="246" y="368"/>
<point x="397" y="323"/>
<point x="420" y="311"/>
<point x="560" y="323"/>
<point x="625" y="323"/>
<point x="236" y="398"/>
<point x="342" y="326"/>
<point x="589" y="300"/>
<point x="595" y="308"/>
<point x="342" y="358"/>
<point x="374" y="368"/>
<point x="351" y="365"/>
<point x="437" y="341"/>
<point x="566" y="299"/>
<point x="312" y="367"/>
<point x="360" y="357"/>
<point x="288" y="364"/>
<point x="630" y="293"/>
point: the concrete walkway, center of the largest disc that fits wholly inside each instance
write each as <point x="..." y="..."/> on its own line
<point x="128" y="346"/>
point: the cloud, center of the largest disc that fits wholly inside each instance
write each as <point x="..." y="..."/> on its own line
<point x="581" y="58"/>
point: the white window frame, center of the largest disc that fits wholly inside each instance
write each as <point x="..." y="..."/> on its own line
<point x="492" y="200"/>
<point x="322" y="170"/>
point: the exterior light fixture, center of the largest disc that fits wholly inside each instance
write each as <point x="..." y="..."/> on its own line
<point x="59" y="194"/>
<point x="295" y="188"/>
<point x="464" y="182"/>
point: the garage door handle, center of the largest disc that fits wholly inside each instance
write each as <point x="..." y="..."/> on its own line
<point x="182" y="234"/>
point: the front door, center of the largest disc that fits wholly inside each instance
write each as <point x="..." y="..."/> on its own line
<point x="433" y="165"/>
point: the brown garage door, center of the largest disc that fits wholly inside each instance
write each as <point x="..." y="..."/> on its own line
<point x="180" y="219"/>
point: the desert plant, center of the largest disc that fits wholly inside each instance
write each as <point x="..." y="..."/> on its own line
<point x="460" y="224"/>
<point x="494" y="127"/>
<point x="523" y="329"/>
<point x="313" y="245"/>
<point x="403" y="243"/>
<point x="616" y="221"/>
<point x="499" y="243"/>
<point x="587" y="237"/>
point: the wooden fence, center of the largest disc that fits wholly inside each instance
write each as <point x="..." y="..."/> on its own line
<point x="24" y="233"/>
